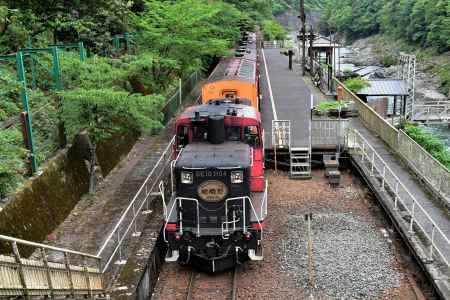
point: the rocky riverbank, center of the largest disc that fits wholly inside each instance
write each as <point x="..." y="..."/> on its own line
<point x="379" y="51"/>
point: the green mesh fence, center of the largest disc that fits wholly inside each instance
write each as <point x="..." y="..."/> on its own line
<point x="175" y="101"/>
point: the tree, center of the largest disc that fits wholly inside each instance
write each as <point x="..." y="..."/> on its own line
<point x="188" y="30"/>
<point x="11" y="160"/>
<point x="272" y="30"/>
<point x="104" y="112"/>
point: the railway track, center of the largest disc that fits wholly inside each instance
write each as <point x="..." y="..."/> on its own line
<point x="197" y="281"/>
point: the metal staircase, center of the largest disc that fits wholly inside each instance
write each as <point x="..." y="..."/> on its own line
<point x="300" y="162"/>
<point x="299" y="157"/>
<point x="49" y="272"/>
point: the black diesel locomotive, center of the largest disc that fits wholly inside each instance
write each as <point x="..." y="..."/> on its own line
<point x="214" y="220"/>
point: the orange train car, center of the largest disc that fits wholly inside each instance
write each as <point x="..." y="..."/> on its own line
<point x="235" y="78"/>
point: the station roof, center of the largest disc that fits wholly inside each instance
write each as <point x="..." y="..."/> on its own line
<point x="223" y="109"/>
<point x="234" y="69"/>
<point x="385" y="87"/>
<point x="324" y="42"/>
<point x="365" y="71"/>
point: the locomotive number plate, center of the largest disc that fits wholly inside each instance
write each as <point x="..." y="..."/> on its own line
<point x="212" y="191"/>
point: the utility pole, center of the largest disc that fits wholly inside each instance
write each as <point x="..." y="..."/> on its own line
<point x="311" y="53"/>
<point x="303" y="35"/>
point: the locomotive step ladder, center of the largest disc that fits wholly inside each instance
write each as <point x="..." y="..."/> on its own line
<point x="300" y="162"/>
<point x="48" y="272"/>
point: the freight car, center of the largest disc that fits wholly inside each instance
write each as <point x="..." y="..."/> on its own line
<point x="216" y="215"/>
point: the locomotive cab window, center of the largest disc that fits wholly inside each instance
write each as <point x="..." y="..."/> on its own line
<point x="182" y="136"/>
<point x="233" y="133"/>
<point x="251" y="136"/>
<point x="229" y="94"/>
<point x="199" y="133"/>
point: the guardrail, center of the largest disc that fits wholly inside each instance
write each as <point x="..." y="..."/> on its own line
<point x="128" y="222"/>
<point x="21" y="277"/>
<point x="429" y="113"/>
<point x="436" y="175"/>
<point x="329" y="132"/>
<point x="274" y="44"/>
<point x="371" y="119"/>
<point x="435" y="243"/>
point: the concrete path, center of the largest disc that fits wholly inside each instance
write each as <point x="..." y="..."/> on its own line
<point x="285" y="97"/>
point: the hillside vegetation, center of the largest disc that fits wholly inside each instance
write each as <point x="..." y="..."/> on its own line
<point x="114" y="90"/>
<point x="425" y="23"/>
<point x="415" y="26"/>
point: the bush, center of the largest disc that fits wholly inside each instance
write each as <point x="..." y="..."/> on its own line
<point x="429" y="142"/>
<point x="388" y="61"/>
<point x="11" y="160"/>
<point x="272" y="30"/>
<point x="356" y="84"/>
<point x="330" y="105"/>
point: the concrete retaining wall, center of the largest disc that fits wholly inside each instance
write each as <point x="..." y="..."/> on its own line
<point x="45" y="200"/>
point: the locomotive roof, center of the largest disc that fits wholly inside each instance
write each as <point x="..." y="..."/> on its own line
<point x="205" y="155"/>
<point x="234" y="68"/>
<point x="223" y="109"/>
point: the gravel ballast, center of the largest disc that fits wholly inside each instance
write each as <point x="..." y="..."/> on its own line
<point x="352" y="259"/>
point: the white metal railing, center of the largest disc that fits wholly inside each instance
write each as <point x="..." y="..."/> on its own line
<point x="49" y="272"/>
<point x="329" y="132"/>
<point x="435" y="242"/>
<point x="281" y="134"/>
<point x="425" y="165"/>
<point x="129" y="219"/>
<point x="431" y="113"/>
<point x="274" y="44"/>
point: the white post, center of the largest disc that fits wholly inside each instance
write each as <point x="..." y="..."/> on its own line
<point x="412" y="217"/>
<point x="383" y="179"/>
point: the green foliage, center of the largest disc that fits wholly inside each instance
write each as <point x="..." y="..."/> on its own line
<point x="11" y="160"/>
<point x="272" y="30"/>
<point x="429" y="142"/>
<point x="206" y="29"/>
<point x="44" y="114"/>
<point x="444" y="75"/>
<point x="388" y="60"/>
<point x="104" y="112"/>
<point x="422" y="22"/>
<point x="356" y="84"/>
<point x="9" y="93"/>
<point x="330" y="105"/>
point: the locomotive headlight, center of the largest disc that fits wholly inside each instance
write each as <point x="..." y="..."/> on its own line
<point x="186" y="177"/>
<point x="237" y="177"/>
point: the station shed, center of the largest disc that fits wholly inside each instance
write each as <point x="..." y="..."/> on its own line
<point x="323" y="49"/>
<point x="386" y="96"/>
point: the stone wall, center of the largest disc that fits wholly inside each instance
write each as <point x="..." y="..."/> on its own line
<point x="45" y="200"/>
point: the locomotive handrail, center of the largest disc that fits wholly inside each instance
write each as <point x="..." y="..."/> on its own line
<point x="264" y="202"/>
<point x="243" y="198"/>
<point x="180" y="199"/>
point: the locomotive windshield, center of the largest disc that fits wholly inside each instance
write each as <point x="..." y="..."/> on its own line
<point x="233" y="134"/>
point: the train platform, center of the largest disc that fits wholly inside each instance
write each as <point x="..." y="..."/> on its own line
<point x="285" y="96"/>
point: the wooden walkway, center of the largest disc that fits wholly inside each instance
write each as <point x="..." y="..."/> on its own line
<point x="285" y="96"/>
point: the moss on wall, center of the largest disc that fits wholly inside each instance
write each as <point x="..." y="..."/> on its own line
<point x="46" y="200"/>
